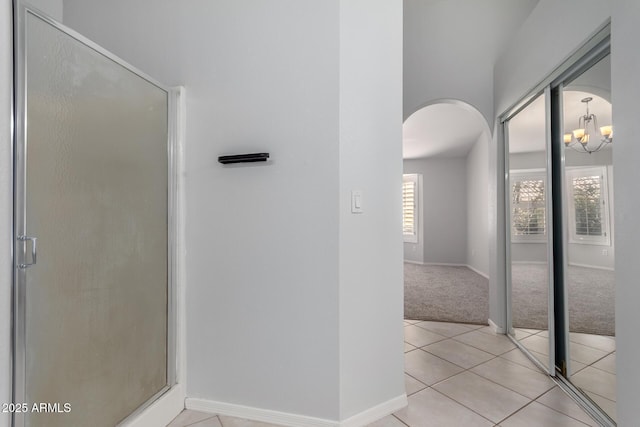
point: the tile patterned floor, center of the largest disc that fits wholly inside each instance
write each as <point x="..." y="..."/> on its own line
<point x="464" y="375"/>
<point x="592" y="366"/>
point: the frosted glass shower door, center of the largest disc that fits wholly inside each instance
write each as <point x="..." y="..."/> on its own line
<point x="92" y="185"/>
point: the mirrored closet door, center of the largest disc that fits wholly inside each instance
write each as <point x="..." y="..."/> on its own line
<point x="589" y="247"/>
<point x="560" y="246"/>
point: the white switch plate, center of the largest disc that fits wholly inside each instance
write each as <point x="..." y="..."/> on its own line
<point x="356" y="201"/>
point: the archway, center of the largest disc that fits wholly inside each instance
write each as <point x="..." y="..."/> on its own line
<point x="445" y="151"/>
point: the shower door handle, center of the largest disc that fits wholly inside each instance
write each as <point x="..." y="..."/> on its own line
<point x="34" y="250"/>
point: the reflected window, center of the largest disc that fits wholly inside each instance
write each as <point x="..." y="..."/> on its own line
<point x="528" y="206"/>
<point x="588" y="201"/>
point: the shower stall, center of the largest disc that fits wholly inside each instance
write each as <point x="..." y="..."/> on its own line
<point x="94" y="264"/>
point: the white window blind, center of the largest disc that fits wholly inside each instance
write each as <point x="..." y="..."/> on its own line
<point x="528" y="213"/>
<point x="588" y="199"/>
<point x="410" y="214"/>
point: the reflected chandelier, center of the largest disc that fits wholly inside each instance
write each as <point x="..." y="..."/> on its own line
<point x="579" y="139"/>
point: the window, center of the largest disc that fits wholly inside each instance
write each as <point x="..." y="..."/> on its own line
<point x="410" y="210"/>
<point x="588" y="201"/>
<point x="528" y="211"/>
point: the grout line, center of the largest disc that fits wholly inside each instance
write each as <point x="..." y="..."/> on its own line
<point x="464" y="406"/>
<point x="421" y="382"/>
<point x="574" y="418"/>
<point x="514" y="413"/>
<point x="394" y="415"/>
<point x="533" y="368"/>
<point x="478" y="348"/>
<point x="510" y="389"/>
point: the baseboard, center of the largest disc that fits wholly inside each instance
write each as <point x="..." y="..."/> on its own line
<point x="257" y="414"/>
<point x="496" y="329"/>
<point x="294" y="420"/>
<point x="448" y="264"/>
<point x="485" y="275"/>
<point x="162" y="411"/>
<point x="573" y="264"/>
<point x="377" y="412"/>
<point x="529" y="262"/>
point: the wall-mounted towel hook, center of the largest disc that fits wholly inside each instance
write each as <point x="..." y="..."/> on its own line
<point x="244" y="158"/>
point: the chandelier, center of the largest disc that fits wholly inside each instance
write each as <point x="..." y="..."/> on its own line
<point x="580" y="138"/>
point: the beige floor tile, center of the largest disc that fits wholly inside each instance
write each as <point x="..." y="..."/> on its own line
<point x="543" y="333"/>
<point x="517" y="356"/>
<point x="486" y="330"/>
<point x="240" y="422"/>
<point x="412" y="385"/>
<point x="596" y="381"/>
<point x="601" y="342"/>
<point x="536" y="415"/>
<point x="474" y="325"/>
<point x="515" y="377"/>
<point x="521" y="333"/>
<point x="211" y="422"/>
<point x="429" y="408"/>
<point x="444" y="328"/>
<point x="583" y="354"/>
<point x="575" y="367"/>
<point x="484" y="397"/>
<point x="561" y="402"/>
<point x="420" y="337"/>
<point x="530" y="331"/>
<point x="428" y="368"/>
<point x="459" y="353"/>
<point x="188" y="417"/>
<point x="607" y="364"/>
<point x="389" y="421"/>
<point x="542" y="358"/>
<point x="606" y="405"/>
<point x="491" y="343"/>
<point x="409" y="347"/>
<point x="536" y="343"/>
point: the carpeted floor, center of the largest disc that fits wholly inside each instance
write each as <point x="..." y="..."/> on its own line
<point x="445" y="293"/>
<point x="458" y="294"/>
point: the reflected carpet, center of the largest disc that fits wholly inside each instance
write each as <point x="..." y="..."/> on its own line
<point x="458" y="294"/>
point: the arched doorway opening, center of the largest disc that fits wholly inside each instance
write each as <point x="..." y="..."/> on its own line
<point x="445" y="213"/>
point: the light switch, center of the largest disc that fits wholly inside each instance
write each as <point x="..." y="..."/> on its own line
<point x="356" y="201"/>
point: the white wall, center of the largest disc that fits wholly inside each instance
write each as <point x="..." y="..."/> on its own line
<point x="625" y="67"/>
<point x="444" y="193"/>
<point x="542" y="43"/>
<point x="262" y="241"/>
<point x="371" y="284"/>
<point x="274" y="258"/>
<point x="451" y="46"/>
<point x="53" y="7"/>
<point x="477" y="171"/>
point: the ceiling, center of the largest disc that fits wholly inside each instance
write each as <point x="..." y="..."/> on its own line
<point x="451" y="128"/>
<point x="441" y="130"/>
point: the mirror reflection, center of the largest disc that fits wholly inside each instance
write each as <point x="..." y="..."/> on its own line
<point x="529" y="229"/>
<point x="588" y="206"/>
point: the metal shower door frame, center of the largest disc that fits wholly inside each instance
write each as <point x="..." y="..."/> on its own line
<point x="19" y="237"/>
